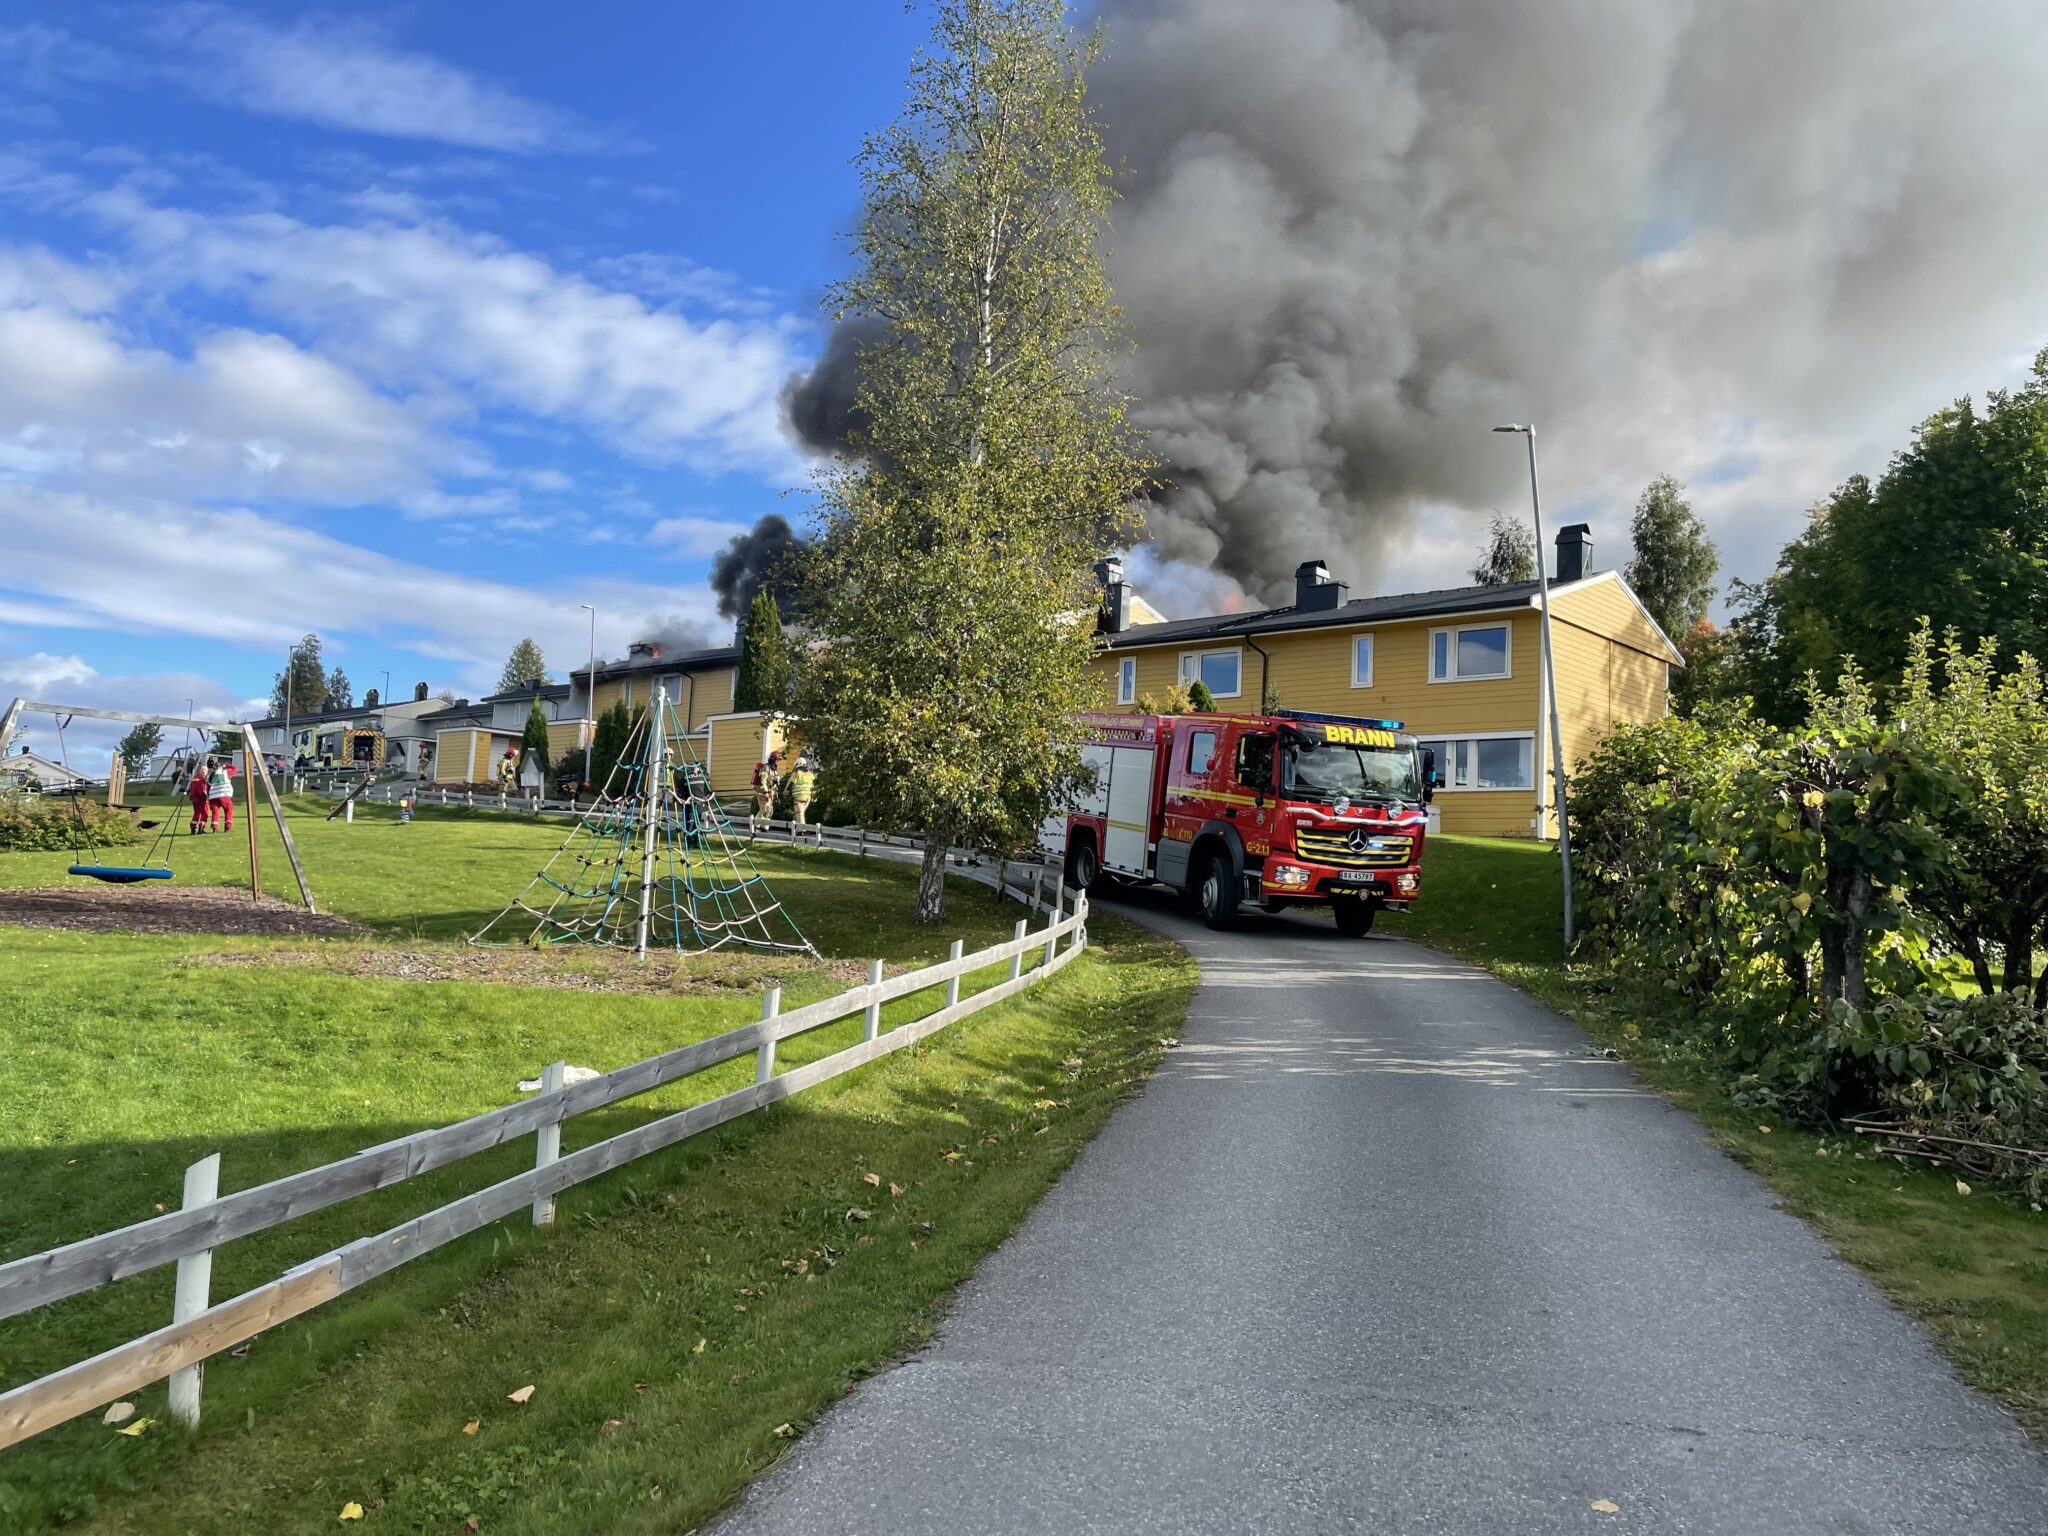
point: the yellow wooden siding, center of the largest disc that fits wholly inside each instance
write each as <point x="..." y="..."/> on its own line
<point x="710" y="694"/>
<point x="612" y="690"/>
<point x="451" y="756"/>
<point x="739" y="743"/>
<point x="565" y="738"/>
<point x="1606" y="608"/>
<point x="465" y="756"/>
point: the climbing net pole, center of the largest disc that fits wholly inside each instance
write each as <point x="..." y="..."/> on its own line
<point x="653" y="863"/>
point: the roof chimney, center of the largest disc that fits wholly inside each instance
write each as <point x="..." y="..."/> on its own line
<point x="1574" y="551"/>
<point x="1115" y="615"/>
<point x="1314" y="591"/>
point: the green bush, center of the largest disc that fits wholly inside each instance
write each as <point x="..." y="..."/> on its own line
<point x="53" y="824"/>
<point x="1795" y="901"/>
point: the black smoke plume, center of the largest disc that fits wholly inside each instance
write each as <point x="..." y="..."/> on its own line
<point x="818" y="405"/>
<point x="1356" y="234"/>
<point x="758" y="559"/>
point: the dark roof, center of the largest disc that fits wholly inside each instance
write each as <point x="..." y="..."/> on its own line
<point x="667" y="661"/>
<point x="1364" y="610"/>
<point x="545" y="691"/>
<point x="454" y="712"/>
<point x="319" y="716"/>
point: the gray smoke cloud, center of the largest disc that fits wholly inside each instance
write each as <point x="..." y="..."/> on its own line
<point x="1747" y="243"/>
<point x="756" y="559"/>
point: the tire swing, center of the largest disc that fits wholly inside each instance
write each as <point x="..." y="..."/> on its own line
<point x="113" y="874"/>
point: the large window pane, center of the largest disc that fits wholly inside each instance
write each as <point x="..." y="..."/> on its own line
<point x="1503" y="763"/>
<point x="1219" y="672"/>
<point x="1201" y="751"/>
<point x="1483" y="652"/>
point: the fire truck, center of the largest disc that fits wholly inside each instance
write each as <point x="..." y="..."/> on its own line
<point x="1281" y="810"/>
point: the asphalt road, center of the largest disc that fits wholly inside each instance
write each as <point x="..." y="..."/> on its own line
<point x="1384" y="1247"/>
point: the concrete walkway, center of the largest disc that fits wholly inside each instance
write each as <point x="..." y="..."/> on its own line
<point x="1383" y="1247"/>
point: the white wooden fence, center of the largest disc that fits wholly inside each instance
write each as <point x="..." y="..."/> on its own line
<point x="189" y="1236"/>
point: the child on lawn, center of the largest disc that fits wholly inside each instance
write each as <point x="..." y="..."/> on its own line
<point x="196" y="793"/>
<point x="220" y="798"/>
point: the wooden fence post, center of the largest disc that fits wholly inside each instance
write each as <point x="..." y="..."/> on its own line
<point x="874" y="1020"/>
<point x="548" y="1140"/>
<point x="1052" y="921"/>
<point x="1038" y="888"/>
<point x="953" y="982"/>
<point x="1017" y="960"/>
<point x="195" y="1279"/>
<point x="1081" y="912"/>
<point x="764" y="1059"/>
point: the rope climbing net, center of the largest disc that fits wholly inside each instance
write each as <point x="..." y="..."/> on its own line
<point x="654" y="863"/>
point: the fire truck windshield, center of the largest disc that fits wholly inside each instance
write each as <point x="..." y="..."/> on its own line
<point x="1316" y="769"/>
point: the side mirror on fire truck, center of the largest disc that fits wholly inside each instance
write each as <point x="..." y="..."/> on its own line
<point x="1428" y="774"/>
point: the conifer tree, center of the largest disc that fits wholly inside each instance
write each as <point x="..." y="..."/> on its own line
<point x="762" y="679"/>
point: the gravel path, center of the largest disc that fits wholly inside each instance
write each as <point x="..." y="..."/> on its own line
<point x="1383" y="1247"/>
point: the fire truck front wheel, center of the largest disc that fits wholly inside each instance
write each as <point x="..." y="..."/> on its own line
<point x="1216" y="891"/>
<point x="1354" y="917"/>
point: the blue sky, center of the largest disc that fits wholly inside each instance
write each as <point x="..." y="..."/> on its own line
<point x="406" y="327"/>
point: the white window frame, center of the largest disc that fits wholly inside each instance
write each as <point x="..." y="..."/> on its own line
<point x="1446" y="738"/>
<point x="1127" y="680"/>
<point x="1191" y="668"/>
<point x="1362" y="677"/>
<point x="1451" y="652"/>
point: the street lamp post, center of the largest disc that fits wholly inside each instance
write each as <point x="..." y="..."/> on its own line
<point x="590" y="693"/>
<point x="1564" y="828"/>
<point x="285" y="747"/>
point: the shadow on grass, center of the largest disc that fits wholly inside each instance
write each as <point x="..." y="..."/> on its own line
<point x="365" y="1399"/>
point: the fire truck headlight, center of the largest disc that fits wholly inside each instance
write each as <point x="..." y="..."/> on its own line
<point x="1406" y="882"/>
<point x="1289" y="875"/>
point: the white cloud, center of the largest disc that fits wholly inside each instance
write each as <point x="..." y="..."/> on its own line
<point x="87" y="744"/>
<point x="345" y="75"/>
<point x="34" y="675"/>
<point x="236" y="578"/>
<point x="411" y="303"/>
<point x="247" y="414"/>
<point x="696" y="535"/>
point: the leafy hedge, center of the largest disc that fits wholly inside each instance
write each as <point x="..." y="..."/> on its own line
<point x="1805" y="901"/>
<point x="50" y="824"/>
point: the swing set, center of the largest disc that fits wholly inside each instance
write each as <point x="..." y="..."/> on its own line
<point x="153" y="866"/>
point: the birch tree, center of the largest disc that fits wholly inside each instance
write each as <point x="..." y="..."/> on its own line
<point x="948" y="592"/>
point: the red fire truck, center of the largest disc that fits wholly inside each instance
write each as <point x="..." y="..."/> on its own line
<point x="1282" y="810"/>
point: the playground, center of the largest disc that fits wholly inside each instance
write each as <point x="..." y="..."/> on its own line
<point x="159" y="1022"/>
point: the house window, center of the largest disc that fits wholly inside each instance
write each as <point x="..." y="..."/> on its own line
<point x="1361" y="661"/>
<point x="1219" y="671"/>
<point x="1201" y="752"/>
<point x="1469" y="651"/>
<point x="1127" y="680"/>
<point x="1484" y="762"/>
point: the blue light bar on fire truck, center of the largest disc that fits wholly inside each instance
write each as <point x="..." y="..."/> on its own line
<point x="1310" y="717"/>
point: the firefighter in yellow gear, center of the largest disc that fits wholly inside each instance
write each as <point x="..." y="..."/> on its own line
<point x="802" y="785"/>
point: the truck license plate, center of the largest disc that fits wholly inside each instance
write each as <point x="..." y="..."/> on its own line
<point x="1359" y="876"/>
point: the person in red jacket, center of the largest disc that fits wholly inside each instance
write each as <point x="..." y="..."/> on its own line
<point x="196" y="793"/>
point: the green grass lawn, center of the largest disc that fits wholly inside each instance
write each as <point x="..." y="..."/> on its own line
<point x="1973" y="1268"/>
<point x="134" y="1055"/>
